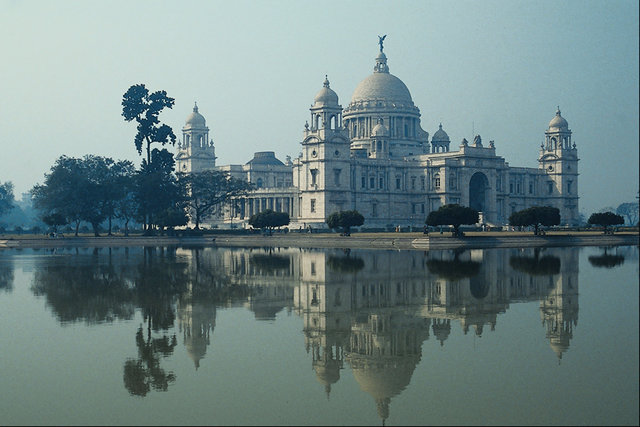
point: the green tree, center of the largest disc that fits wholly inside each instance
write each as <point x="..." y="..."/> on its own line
<point x="454" y="215"/>
<point x="606" y="219"/>
<point x="157" y="191"/>
<point x="269" y="219"/>
<point x="6" y="197"/>
<point x="207" y="190"/>
<point x="54" y="220"/>
<point x="536" y="216"/>
<point x="345" y="220"/>
<point x="144" y="107"/>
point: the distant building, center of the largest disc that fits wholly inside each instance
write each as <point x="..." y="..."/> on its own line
<point x="374" y="156"/>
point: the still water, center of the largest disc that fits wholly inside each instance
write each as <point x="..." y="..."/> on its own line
<point x="316" y="337"/>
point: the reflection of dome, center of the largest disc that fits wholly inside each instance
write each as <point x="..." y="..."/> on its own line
<point x="328" y="374"/>
<point x="558" y="122"/>
<point x="383" y="378"/>
<point x="559" y="345"/>
<point x="441" y="329"/>
<point x="326" y="96"/>
<point x="195" y="119"/>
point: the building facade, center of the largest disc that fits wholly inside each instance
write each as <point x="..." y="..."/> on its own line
<point x="373" y="156"/>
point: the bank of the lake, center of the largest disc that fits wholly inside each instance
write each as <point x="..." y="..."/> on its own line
<point x="417" y="241"/>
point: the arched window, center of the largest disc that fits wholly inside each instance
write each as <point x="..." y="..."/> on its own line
<point x="333" y="123"/>
<point x="436" y="180"/>
<point x="259" y="183"/>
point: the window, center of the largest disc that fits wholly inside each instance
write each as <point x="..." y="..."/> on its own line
<point x="313" y="205"/>
<point x="381" y="186"/>
<point x="569" y="187"/>
<point x="314" y="176"/>
<point x="364" y="181"/>
<point x="372" y="182"/>
<point x="436" y="181"/>
<point x="550" y="187"/>
<point x="511" y="187"/>
<point x="452" y="182"/>
<point x="422" y="208"/>
<point x="422" y="182"/>
<point x="413" y="182"/>
<point x="518" y="188"/>
<point x="530" y="187"/>
<point x="336" y="177"/>
<point x="374" y="210"/>
<point x="398" y="182"/>
<point x="413" y="208"/>
<point x="259" y="183"/>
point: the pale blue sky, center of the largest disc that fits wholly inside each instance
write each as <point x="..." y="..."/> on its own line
<point x="254" y="67"/>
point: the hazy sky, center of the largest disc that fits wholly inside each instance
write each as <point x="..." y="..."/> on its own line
<point x="254" y="67"/>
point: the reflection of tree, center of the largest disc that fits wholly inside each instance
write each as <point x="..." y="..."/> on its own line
<point x="345" y="264"/>
<point x="160" y="278"/>
<point x="83" y="289"/>
<point x="454" y="269"/>
<point x="6" y="276"/>
<point x="144" y="373"/>
<point x="606" y="260"/>
<point x="536" y="265"/>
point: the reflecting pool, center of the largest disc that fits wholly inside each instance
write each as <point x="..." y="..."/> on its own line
<point x="192" y="335"/>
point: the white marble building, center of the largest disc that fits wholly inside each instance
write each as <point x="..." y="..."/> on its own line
<point x="374" y="156"/>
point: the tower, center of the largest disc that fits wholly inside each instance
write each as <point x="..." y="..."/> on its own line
<point x="322" y="174"/>
<point x="196" y="152"/>
<point x="559" y="160"/>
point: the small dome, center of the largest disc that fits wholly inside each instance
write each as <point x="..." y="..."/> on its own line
<point x="195" y="119"/>
<point x="380" y="130"/>
<point x="326" y="96"/>
<point x="558" y="122"/>
<point x="440" y="136"/>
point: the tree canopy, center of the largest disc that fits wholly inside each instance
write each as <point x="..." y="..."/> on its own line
<point x="144" y="107"/>
<point x="605" y="219"/>
<point x="454" y="215"/>
<point x="345" y="220"/>
<point x="536" y="216"/>
<point x="78" y="190"/>
<point x="268" y="219"/>
<point x="208" y="190"/>
<point x="6" y="197"/>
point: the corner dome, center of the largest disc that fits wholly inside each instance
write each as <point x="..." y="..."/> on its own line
<point x="440" y="136"/>
<point x="326" y="96"/>
<point x="195" y="119"/>
<point x="558" y="122"/>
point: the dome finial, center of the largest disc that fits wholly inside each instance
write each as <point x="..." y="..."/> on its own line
<point x="326" y="81"/>
<point x="558" y="111"/>
<point x="195" y="107"/>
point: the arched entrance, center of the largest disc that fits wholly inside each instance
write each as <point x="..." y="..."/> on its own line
<point x="478" y="186"/>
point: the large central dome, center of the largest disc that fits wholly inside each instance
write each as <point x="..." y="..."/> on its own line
<point x="382" y="86"/>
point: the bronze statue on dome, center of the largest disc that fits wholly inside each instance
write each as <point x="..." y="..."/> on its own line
<point x="381" y="40"/>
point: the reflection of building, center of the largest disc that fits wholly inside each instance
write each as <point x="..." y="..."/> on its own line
<point x="373" y="311"/>
<point x="374" y="156"/>
<point x="196" y="321"/>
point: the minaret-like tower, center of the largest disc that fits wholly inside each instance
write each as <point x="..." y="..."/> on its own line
<point x="559" y="159"/>
<point x="196" y="152"/>
<point x="322" y="173"/>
